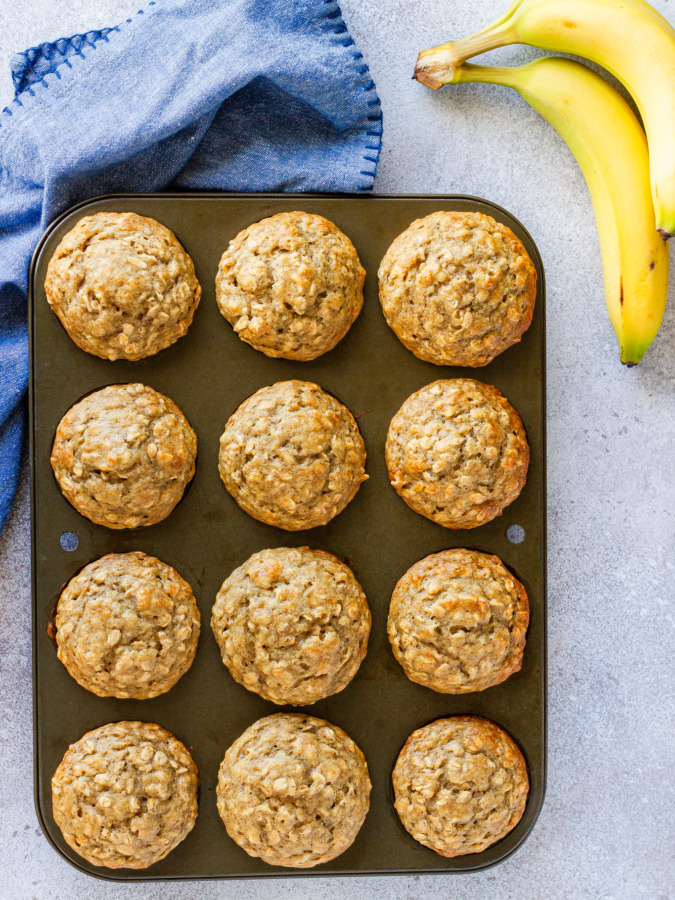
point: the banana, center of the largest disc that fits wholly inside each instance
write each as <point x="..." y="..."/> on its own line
<point x="610" y="146"/>
<point x="627" y="37"/>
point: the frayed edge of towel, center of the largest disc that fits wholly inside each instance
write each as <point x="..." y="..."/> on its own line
<point x="31" y="68"/>
<point x="332" y="21"/>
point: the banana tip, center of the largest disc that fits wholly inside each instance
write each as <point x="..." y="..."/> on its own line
<point x="666" y="235"/>
<point x="426" y="79"/>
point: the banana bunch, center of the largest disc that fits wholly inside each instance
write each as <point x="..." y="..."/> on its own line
<point x="630" y="175"/>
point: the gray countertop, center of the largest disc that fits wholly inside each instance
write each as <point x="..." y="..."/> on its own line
<point x="606" y="829"/>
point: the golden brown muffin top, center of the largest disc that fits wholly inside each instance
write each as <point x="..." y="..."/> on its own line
<point x="124" y="455"/>
<point x="292" y="624"/>
<point x="291" y="285"/>
<point x="458" y="288"/>
<point x="457" y="453"/>
<point x="293" y="790"/>
<point x="127" y="625"/>
<point x="125" y="795"/>
<point x="460" y="785"/>
<point x="457" y="621"/>
<point x="122" y="286"/>
<point x="292" y="455"/>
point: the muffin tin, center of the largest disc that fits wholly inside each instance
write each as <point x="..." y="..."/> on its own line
<point x="208" y="373"/>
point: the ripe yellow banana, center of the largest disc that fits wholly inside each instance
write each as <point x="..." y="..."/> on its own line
<point x="627" y="37"/>
<point x="610" y="146"/>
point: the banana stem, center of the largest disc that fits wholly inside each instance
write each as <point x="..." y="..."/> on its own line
<point x="508" y="76"/>
<point x="435" y="66"/>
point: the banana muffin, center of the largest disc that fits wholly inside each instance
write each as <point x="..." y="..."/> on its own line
<point x="457" y="622"/>
<point x="292" y="625"/>
<point x="124" y="455"/>
<point x="122" y="286"/>
<point x="457" y="453"/>
<point x="292" y="456"/>
<point x="293" y="790"/>
<point x="291" y="285"/>
<point x="460" y="785"/>
<point x="127" y="626"/>
<point x="125" y="795"/>
<point x="457" y="288"/>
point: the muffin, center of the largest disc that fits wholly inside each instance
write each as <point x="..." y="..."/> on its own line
<point x="291" y="285"/>
<point x="124" y="455"/>
<point x="457" y="288"/>
<point x="292" y="625"/>
<point x="457" y="622"/>
<point x="125" y="795"/>
<point x="127" y="625"/>
<point x="460" y="785"/>
<point x="293" y="790"/>
<point x="457" y="453"/>
<point x="292" y="456"/>
<point x="122" y="286"/>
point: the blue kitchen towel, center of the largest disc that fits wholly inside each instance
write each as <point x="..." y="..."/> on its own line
<point x="234" y="95"/>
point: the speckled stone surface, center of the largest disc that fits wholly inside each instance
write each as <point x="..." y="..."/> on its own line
<point x="606" y="831"/>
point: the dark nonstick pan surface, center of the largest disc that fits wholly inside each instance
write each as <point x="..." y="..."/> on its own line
<point x="209" y="373"/>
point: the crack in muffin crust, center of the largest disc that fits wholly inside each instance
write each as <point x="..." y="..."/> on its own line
<point x="125" y="795"/>
<point x="292" y="625"/>
<point x="291" y="285"/>
<point x="127" y="625"/>
<point x="457" y="621"/>
<point x="460" y="785"/>
<point x="292" y="456"/>
<point x="293" y="790"/>
<point x="122" y="286"/>
<point x="457" y="452"/>
<point x="457" y="288"/>
<point x="124" y="455"/>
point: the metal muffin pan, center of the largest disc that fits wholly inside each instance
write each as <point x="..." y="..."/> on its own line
<point x="209" y="373"/>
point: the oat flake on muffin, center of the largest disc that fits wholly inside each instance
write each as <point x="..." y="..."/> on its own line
<point x="292" y="624"/>
<point x="457" y="621"/>
<point x="122" y="286"/>
<point x="460" y="785"/>
<point x="125" y="795"/>
<point x="457" y="453"/>
<point x="292" y="456"/>
<point x="293" y="790"/>
<point x="457" y="288"/>
<point x="291" y="285"/>
<point x="124" y="455"/>
<point x="127" y="625"/>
